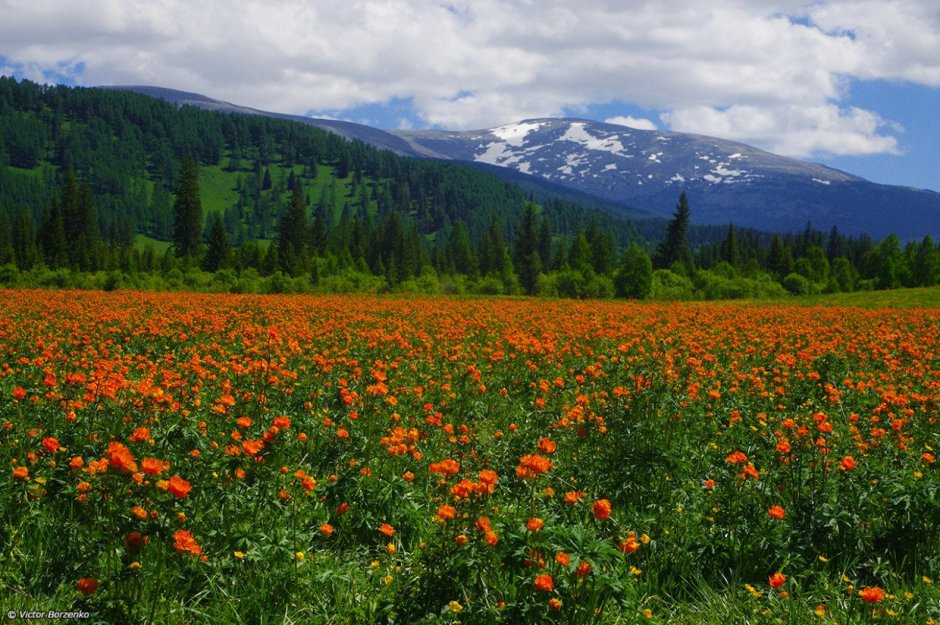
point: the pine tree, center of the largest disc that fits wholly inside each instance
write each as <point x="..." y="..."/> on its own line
<point x="675" y="246"/>
<point x="51" y="236"/>
<point x="730" y="250"/>
<point x="527" y="259"/>
<point x="187" y="212"/>
<point x="293" y="235"/>
<point x="218" y="251"/>
<point x="465" y="260"/>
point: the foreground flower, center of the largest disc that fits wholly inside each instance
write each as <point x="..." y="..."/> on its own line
<point x="184" y="542"/>
<point x="534" y="524"/>
<point x="545" y="582"/>
<point x="179" y="487"/>
<point x="87" y="585"/>
<point x="777" y="580"/>
<point x="602" y="509"/>
<point x="872" y="594"/>
<point x="776" y="512"/>
<point x="847" y="463"/>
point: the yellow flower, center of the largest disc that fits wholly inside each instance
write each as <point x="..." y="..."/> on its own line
<point x="388" y="579"/>
<point x="374" y="564"/>
<point x="240" y="555"/>
<point x="926" y="580"/>
<point x="299" y="556"/>
<point x="820" y="611"/>
<point x="455" y="607"/>
<point x="648" y="613"/>
<point x="645" y="539"/>
<point x="823" y="558"/>
<point x="134" y="566"/>
<point x="636" y="572"/>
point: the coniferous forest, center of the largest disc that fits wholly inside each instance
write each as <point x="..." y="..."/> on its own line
<point x="112" y="189"/>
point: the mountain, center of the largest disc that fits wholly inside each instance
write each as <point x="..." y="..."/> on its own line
<point x="628" y="171"/>
<point x="726" y="181"/>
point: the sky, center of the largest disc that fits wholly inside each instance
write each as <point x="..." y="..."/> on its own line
<point x="854" y="84"/>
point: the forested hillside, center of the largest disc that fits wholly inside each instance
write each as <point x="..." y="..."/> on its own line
<point x="110" y="163"/>
<point x="113" y="188"/>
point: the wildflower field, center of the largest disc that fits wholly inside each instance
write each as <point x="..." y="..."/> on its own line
<point x="183" y="458"/>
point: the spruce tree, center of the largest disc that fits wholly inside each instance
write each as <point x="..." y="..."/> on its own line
<point x="218" y="251"/>
<point x="527" y="258"/>
<point x="293" y="235"/>
<point x="675" y="246"/>
<point x="187" y="212"/>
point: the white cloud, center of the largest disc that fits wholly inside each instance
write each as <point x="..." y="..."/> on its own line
<point x="639" y="123"/>
<point x="748" y="70"/>
<point x="793" y="130"/>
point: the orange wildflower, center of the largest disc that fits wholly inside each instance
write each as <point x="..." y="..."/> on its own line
<point x="184" y="542"/>
<point x="179" y="487"/>
<point x="545" y="582"/>
<point x="777" y="580"/>
<point x="776" y="512"/>
<point x="602" y="509"/>
<point x="534" y="524"/>
<point x="872" y="594"/>
<point x="387" y="529"/>
<point x="87" y="585"/>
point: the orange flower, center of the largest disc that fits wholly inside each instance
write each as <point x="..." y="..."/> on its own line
<point x="562" y="558"/>
<point x="183" y="541"/>
<point x="584" y="568"/>
<point x="554" y="604"/>
<point x="872" y="594"/>
<point x="491" y="538"/>
<point x="21" y="473"/>
<point x="120" y="458"/>
<point x="534" y="524"/>
<point x="629" y="545"/>
<point x="777" y="580"/>
<point x="326" y="529"/>
<point x="446" y="467"/>
<point x="446" y="512"/>
<point x="50" y="444"/>
<point x="387" y="529"/>
<point x="179" y="487"/>
<point x="152" y="466"/>
<point x="847" y="463"/>
<point x="601" y="509"/>
<point x="545" y="582"/>
<point x="547" y="445"/>
<point x="709" y="484"/>
<point x="776" y="512"/>
<point x="19" y="392"/>
<point x="87" y="585"/>
<point x="532" y="465"/>
<point x="737" y="457"/>
<point x="573" y="496"/>
<point x="461" y="539"/>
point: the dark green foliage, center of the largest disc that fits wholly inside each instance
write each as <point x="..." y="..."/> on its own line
<point x="84" y="172"/>
<point x="187" y="212"/>
<point x="634" y="277"/>
<point x="527" y="259"/>
<point x="675" y="246"/>
<point x="294" y="235"/>
<point x="218" y="251"/>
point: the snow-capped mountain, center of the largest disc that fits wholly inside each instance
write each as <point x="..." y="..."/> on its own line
<point x="726" y="181"/>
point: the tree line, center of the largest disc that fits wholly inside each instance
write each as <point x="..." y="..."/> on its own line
<point x="102" y="181"/>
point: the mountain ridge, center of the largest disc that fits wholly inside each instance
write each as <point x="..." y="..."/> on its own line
<point x="726" y="181"/>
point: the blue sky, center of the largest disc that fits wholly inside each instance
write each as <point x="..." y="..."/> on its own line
<point x="853" y="84"/>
